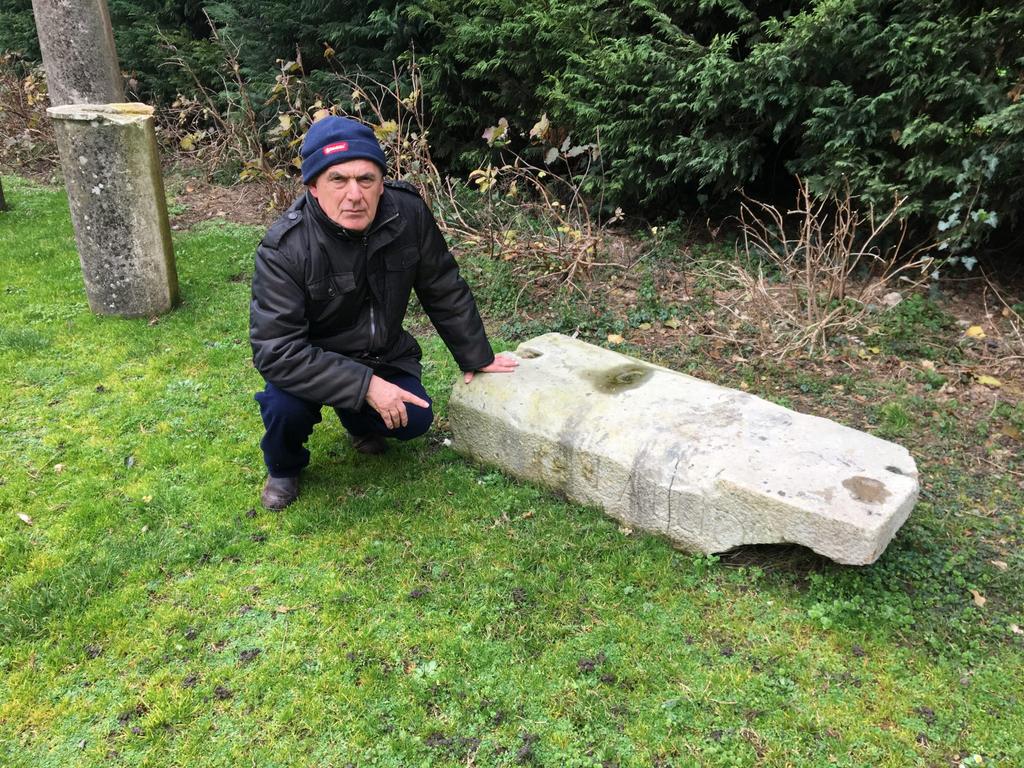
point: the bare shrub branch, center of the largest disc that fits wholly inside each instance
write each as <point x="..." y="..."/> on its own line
<point x="812" y="272"/>
<point x="26" y="133"/>
<point x="536" y="217"/>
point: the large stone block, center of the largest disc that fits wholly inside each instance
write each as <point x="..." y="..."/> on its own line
<point x="116" y="194"/>
<point x="711" y="468"/>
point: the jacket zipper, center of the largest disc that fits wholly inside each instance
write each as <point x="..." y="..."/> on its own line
<point x="373" y="321"/>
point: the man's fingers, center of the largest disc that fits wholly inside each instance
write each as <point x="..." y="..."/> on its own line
<point x="502" y="364"/>
<point x="409" y="397"/>
<point x="395" y="419"/>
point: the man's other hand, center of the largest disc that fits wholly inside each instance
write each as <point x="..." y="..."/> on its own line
<point x="502" y="364"/>
<point x="389" y="401"/>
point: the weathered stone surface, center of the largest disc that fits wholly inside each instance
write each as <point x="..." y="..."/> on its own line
<point x="709" y="467"/>
<point x="116" y="194"/>
<point x="77" y="43"/>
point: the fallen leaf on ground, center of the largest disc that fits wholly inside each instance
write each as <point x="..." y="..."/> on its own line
<point x="989" y="381"/>
<point x="625" y="530"/>
<point x="615" y="338"/>
<point x="1016" y="630"/>
<point x="928" y="365"/>
<point x="673" y="323"/>
<point x="1002" y="566"/>
<point x="58" y="468"/>
<point x="1012" y="432"/>
<point x="979" y="599"/>
<point x="975" y="332"/>
<point x="25" y="518"/>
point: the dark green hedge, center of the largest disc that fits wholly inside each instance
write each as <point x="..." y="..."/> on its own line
<point x="916" y="97"/>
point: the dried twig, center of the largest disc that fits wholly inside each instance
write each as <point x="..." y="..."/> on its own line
<point x="813" y="252"/>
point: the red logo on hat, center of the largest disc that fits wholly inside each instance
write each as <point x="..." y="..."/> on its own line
<point x="340" y="146"/>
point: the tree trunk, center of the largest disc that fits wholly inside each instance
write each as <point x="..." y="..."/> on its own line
<point x="3" y="202"/>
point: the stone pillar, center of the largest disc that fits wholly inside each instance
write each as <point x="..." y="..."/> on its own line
<point x="115" y="190"/>
<point x="77" y="43"/>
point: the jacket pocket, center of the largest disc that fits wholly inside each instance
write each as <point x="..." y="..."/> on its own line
<point x="332" y="286"/>
<point x="402" y="260"/>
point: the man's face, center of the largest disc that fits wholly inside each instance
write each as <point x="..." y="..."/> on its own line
<point x="349" y="193"/>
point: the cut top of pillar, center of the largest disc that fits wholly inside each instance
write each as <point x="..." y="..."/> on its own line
<point x="117" y="114"/>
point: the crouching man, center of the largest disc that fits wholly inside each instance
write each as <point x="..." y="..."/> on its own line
<point x="331" y="287"/>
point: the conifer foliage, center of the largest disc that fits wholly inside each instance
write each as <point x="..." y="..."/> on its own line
<point x="916" y="98"/>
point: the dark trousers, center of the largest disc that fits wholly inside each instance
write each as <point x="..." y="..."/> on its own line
<point x="289" y="422"/>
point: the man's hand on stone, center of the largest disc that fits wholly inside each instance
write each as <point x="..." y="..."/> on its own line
<point x="389" y="401"/>
<point x="502" y="364"/>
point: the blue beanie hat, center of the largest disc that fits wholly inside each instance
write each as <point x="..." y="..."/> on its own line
<point x="332" y="140"/>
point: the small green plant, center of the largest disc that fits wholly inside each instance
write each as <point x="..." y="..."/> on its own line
<point x="649" y="307"/>
<point x="913" y="328"/>
<point x="931" y="379"/>
<point x="893" y="419"/>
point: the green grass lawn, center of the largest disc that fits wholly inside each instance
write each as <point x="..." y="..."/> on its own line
<point x="417" y="610"/>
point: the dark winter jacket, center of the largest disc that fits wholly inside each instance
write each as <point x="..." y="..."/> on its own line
<point x="327" y="307"/>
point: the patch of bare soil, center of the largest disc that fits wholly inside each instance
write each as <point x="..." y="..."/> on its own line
<point x="192" y="200"/>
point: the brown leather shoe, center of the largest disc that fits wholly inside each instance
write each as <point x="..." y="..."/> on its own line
<point x="279" y="492"/>
<point x="370" y="444"/>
